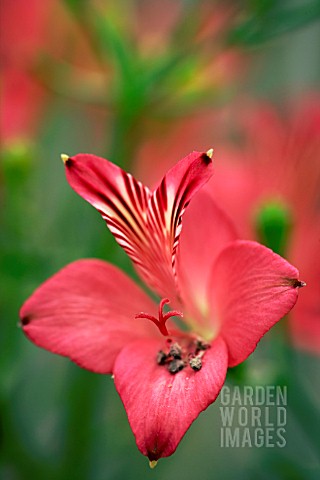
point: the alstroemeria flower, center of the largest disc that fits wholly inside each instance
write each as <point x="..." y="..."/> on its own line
<point x="228" y="293"/>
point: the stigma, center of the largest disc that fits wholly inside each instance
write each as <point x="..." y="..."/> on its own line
<point x="160" y="322"/>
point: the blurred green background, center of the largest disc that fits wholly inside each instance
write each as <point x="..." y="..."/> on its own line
<point x="106" y="77"/>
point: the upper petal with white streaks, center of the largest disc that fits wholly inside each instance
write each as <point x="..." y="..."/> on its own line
<point x="146" y="224"/>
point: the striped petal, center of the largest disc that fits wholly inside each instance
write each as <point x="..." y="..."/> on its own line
<point x="145" y="223"/>
<point x="121" y="200"/>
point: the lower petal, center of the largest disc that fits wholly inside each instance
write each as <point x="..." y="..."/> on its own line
<point x="161" y="406"/>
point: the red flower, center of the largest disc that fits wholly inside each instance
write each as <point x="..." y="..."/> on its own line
<point x="231" y="292"/>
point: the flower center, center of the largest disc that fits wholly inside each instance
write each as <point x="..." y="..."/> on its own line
<point x="187" y="350"/>
<point x="183" y="353"/>
<point x="163" y="317"/>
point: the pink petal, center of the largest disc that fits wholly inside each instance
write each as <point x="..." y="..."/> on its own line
<point x="86" y="312"/>
<point x="147" y="225"/>
<point x="161" y="406"/>
<point x="251" y="288"/>
<point x="206" y="231"/>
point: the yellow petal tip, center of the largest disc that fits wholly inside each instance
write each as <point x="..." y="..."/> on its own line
<point x="153" y="463"/>
<point x="64" y="157"/>
<point x="210" y="153"/>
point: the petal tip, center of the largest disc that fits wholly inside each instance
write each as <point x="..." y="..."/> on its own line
<point x="25" y="320"/>
<point x="295" y="283"/>
<point x="209" y="153"/>
<point x="64" y="157"/>
<point x="153" y="463"/>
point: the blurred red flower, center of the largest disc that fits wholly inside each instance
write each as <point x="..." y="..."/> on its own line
<point x="23" y="28"/>
<point x="277" y="160"/>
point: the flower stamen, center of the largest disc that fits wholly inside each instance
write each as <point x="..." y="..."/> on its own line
<point x="177" y="356"/>
<point x="161" y="321"/>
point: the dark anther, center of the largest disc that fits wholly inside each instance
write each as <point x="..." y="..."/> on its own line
<point x="161" y="357"/>
<point x="200" y="345"/>
<point x="195" y="363"/>
<point x="175" y="351"/>
<point x="177" y="355"/>
<point x="176" y="365"/>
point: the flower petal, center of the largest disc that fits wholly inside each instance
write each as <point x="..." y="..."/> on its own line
<point x="251" y="288"/>
<point x="161" y="406"/>
<point x="121" y="200"/>
<point x="146" y="224"/>
<point x="206" y="231"/>
<point x="86" y="312"/>
<point x="173" y="195"/>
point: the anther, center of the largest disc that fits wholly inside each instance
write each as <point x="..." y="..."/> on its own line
<point x="201" y="345"/>
<point x="175" y="351"/>
<point x="176" y="365"/>
<point x="161" y="357"/>
<point x="195" y="360"/>
<point x="195" y="363"/>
